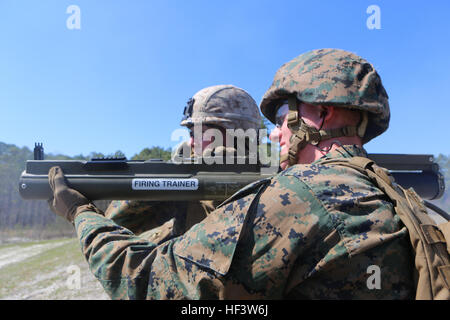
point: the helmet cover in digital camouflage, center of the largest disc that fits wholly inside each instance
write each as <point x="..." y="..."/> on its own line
<point x="332" y="77"/>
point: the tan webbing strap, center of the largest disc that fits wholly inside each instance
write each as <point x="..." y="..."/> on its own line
<point x="339" y="132"/>
<point x="445" y="229"/>
<point x="363" y="125"/>
<point x="444" y="271"/>
<point x="432" y="233"/>
<point x="293" y="113"/>
<point x="293" y="124"/>
<point x="428" y="240"/>
<point x="358" y="163"/>
<point x="284" y="157"/>
<point x="362" y="162"/>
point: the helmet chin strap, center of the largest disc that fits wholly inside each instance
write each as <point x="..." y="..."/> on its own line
<point x="302" y="134"/>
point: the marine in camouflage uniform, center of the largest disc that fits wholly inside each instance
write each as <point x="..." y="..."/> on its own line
<point x="311" y="231"/>
<point x="223" y="106"/>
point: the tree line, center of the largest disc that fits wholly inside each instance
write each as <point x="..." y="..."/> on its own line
<point x="16" y="213"/>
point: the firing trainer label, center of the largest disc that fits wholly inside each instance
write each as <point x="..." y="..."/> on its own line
<point x="164" y="184"/>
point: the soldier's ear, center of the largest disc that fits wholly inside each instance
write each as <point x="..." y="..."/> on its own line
<point x="327" y="112"/>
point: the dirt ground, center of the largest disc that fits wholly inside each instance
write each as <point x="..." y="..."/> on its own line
<point x="46" y="270"/>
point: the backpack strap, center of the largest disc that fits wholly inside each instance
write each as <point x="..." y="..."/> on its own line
<point x="431" y="243"/>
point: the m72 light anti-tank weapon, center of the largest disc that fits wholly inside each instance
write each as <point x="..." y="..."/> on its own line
<point x="119" y="179"/>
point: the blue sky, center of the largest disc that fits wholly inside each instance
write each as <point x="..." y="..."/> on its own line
<point x="121" y="81"/>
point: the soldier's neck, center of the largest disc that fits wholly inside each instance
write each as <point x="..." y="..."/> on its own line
<point x="312" y="153"/>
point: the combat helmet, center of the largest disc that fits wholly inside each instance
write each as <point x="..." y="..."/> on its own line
<point x="226" y="106"/>
<point x="330" y="77"/>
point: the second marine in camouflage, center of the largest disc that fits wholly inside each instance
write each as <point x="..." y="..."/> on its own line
<point x="217" y="107"/>
<point x="312" y="231"/>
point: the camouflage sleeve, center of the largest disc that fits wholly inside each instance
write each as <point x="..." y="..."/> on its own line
<point x="216" y="258"/>
<point x="130" y="267"/>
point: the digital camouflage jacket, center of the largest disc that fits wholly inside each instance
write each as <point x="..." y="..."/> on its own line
<point x="315" y="231"/>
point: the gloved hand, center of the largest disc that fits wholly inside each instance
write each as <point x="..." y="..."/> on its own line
<point x="66" y="202"/>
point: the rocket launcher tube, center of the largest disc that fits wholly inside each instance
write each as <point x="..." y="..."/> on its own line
<point x="118" y="179"/>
